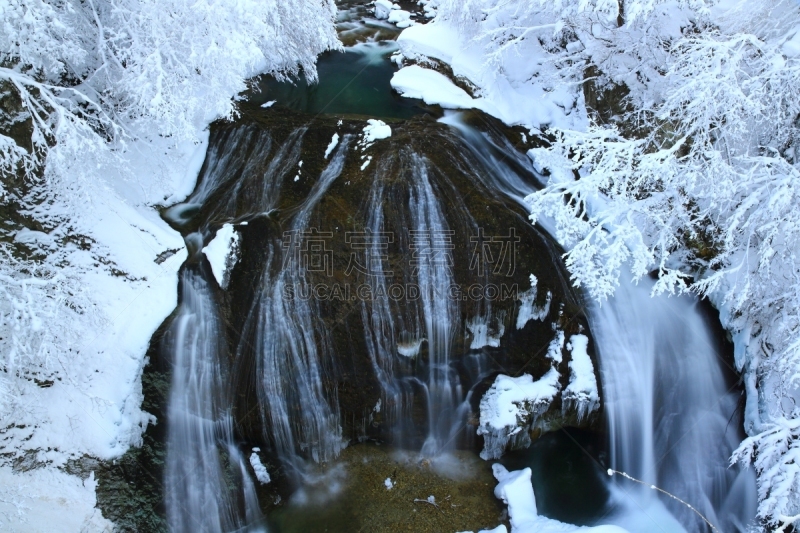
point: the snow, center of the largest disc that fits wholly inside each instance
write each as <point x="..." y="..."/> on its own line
<point x="375" y="130"/>
<point x="511" y="407"/>
<point x="436" y="89"/>
<point x="527" y="309"/>
<point x="508" y="96"/>
<point x="479" y="329"/>
<point x="258" y="467"/>
<point x="400" y="18"/>
<point x="383" y="8"/>
<point x="366" y="163"/>
<point x="223" y="253"/>
<point x="581" y="394"/>
<point x="791" y="48"/>
<point x="555" y="346"/>
<point x="44" y="500"/>
<point x="409" y="349"/>
<point x="388" y="483"/>
<point x="107" y="277"/>
<point x="269" y="104"/>
<point x="332" y="145"/>
<point x="93" y="406"/>
<point x="435" y="40"/>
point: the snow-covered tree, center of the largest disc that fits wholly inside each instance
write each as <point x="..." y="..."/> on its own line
<point x="90" y="74"/>
<point x="689" y="168"/>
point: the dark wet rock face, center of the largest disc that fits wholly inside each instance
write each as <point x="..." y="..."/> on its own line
<point x="422" y="200"/>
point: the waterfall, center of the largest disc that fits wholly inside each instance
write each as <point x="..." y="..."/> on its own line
<point x="671" y="415"/>
<point x="670" y="411"/>
<point x="379" y="322"/>
<point x="293" y="351"/>
<point x="396" y="336"/>
<point x="432" y="264"/>
<point x="200" y="427"/>
<point x="668" y="408"/>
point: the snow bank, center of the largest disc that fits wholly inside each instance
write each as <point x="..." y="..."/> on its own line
<point x="436" y="89"/>
<point x="512" y="406"/>
<point x="435" y="40"/>
<point x="258" y="467"/>
<point x="581" y="394"/>
<point x="400" y="18"/>
<point x="383" y="9"/>
<point x="88" y="398"/>
<point x="223" y="253"/>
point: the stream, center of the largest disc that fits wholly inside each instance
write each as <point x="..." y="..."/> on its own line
<point x="375" y="296"/>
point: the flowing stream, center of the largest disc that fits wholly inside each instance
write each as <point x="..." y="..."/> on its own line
<point x="297" y="379"/>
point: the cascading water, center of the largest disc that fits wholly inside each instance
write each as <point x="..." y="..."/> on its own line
<point x="395" y="336"/>
<point x="671" y="416"/>
<point x="670" y="412"/>
<point x="293" y="351"/>
<point x="200" y="426"/>
<point x="440" y="313"/>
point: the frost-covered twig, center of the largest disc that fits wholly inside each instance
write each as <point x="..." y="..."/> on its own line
<point x="698" y="513"/>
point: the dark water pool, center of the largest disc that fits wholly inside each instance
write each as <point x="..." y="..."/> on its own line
<point x="353" y="82"/>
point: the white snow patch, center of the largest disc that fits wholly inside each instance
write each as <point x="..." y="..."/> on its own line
<point x="400" y="18"/>
<point x="382" y="9"/>
<point x="554" y="349"/>
<point x="435" y="89"/>
<point x="791" y="48"/>
<point x="269" y="104"/>
<point x="483" y="335"/>
<point x="409" y="348"/>
<point x="509" y="97"/>
<point x="375" y="130"/>
<point x="388" y="483"/>
<point x="332" y="145"/>
<point x="223" y="253"/>
<point x="366" y="163"/>
<point x="44" y="500"/>
<point x="581" y="393"/>
<point x="258" y="467"/>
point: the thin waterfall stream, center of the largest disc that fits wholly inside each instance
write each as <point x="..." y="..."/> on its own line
<point x="328" y="372"/>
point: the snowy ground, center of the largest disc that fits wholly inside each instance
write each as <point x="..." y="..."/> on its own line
<point x="91" y="403"/>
